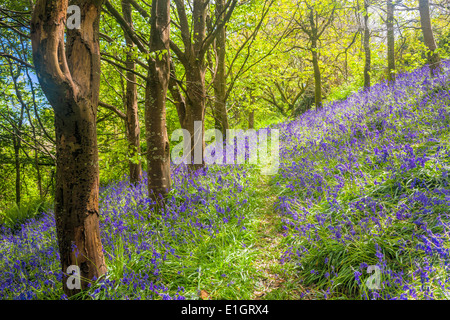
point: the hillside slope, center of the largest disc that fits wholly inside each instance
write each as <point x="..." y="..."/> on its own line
<point x="363" y="182"/>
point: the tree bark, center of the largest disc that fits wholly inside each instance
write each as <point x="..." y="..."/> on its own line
<point x="367" y="53"/>
<point x="195" y="105"/>
<point x="191" y="109"/>
<point x="131" y="103"/>
<point x="434" y="60"/>
<point x="251" y="120"/>
<point x="195" y="85"/>
<point x="390" y="41"/>
<point x="69" y="74"/>
<point x="16" y="144"/>
<point x="317" y="76"/>
<point x="158" y="151"/>
<point x="315" y="59"/>
<point x="220" y="80"/>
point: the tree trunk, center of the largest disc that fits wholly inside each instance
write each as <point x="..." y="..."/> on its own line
<point x="195" y="85"/>
<point x="367" y="64"/>
<point x="195" y="106"/>
<point x="38" y="172"/>
<point x="434" y="60"/>
<point x="315" y="60"/>
<point x="178" y="98"/>
<point x="16" y="144"/>
<point x="158" y="151"/>
<point x="251" y="120"/>
<point x="69" y="74"/>
<point x="131" y="103"/>
<point x="220" y="80"/>
<point x="190" y="109"/>
<point x="390" y="41"/>
<point x="188" y="113"/>
<point x="317" y="77"/>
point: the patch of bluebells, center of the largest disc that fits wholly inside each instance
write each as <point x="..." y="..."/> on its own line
<point x="367" y="178"/>
<point x="359" y="171"/>
<point x="136" y="239"/>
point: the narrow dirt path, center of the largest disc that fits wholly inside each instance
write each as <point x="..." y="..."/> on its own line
<point x="275" y="281"/>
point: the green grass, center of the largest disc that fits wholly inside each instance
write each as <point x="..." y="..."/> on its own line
<point x="224" y="265"/>
<point x="233" y="264"/>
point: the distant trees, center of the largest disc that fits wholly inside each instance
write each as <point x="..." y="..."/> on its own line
<point x="285" y="94"/>
<point x="432" y="56"/>
<point x="313" y="23"/>
<point x="68" y="68"/>
<point x="130" y="115"/>
<point x="230" y="59"/>
<point x="16" y="137"/>
<point x="26" y="146"/>
<point x="220" y="76"/>
<point x="196" y="40"/>
<point x="367" y="53"/>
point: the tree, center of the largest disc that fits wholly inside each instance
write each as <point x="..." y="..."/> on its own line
<point x="68" y="69"/>
<point x="196" y="43"/>
<point x="220" y="77"/>
<point x="314" y="23"/>
<point x="158" y="153"/>
<point x="237" y="51"/>
<point x="289" y="92"/>
<point x="157" y="64"/>
<point x="367" y="53"/>
<point x="131" y="103"/>
<point x="434" y="60"/>
<point x="390" y="40"/>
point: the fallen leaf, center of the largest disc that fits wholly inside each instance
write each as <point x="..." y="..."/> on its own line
<point x="259" y="293"/>
<point x="204" y="295"/>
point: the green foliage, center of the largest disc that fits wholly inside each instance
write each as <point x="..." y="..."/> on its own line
<point x="15" y="215"/>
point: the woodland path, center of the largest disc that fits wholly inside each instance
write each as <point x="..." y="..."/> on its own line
<point x="276" y="281"/>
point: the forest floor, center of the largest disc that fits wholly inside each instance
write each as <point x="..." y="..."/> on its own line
<point x="276" y="280"/>
<point x="364" y="187"/>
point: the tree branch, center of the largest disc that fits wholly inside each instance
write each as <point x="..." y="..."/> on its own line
<point x="121" y="115"/>
<point x="2" y="54"/>
<point x="125" y="26"/>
